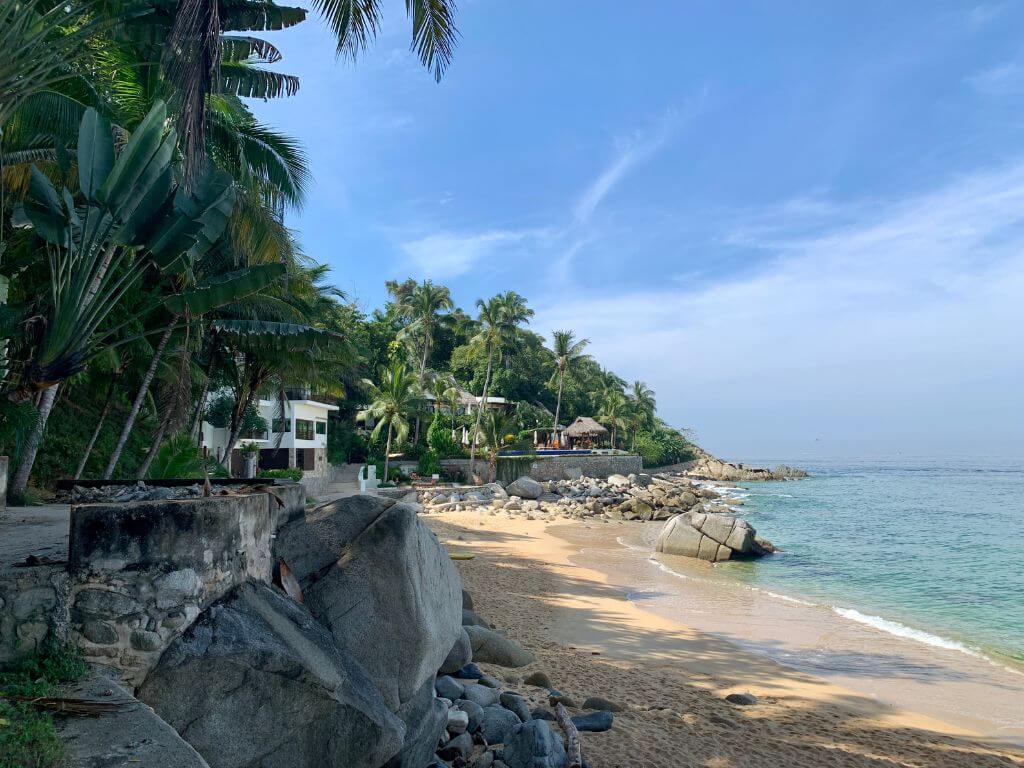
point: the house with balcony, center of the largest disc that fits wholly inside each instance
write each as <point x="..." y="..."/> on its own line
<point x="295" y="437"/>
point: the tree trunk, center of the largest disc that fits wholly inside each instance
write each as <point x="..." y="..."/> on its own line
<point x="151" y="453"/>
<point x="35" y="439"/>
<point x="387" y="453"/>
<point x="423" y="373"/>
<point x="99" y="427"/>
<point x="558" y="407"/>
<point x="139" y="397"/>
<point x="236" y="430"/>
<point x="28" y="456"/>
<point x="479" y="414"/>
<point x="197" y="415"/>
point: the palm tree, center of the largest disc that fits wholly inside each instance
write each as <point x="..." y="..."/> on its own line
<point x="425" y="305"/>
<point x="393" y="401"/>
<point x="643" y="407"/>
<point x="612" y="411"/>
<point x="496" y="427"/>
<point x="499" y="319"/>
<point x="446" y="394"/>
<point x="568" y="352"/>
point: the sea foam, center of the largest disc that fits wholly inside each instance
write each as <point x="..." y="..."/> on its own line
<point x="902" y="630"/>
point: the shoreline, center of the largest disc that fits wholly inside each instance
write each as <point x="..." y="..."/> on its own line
<point x="525" y="579"/>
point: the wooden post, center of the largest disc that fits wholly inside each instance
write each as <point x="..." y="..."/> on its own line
<point x="573" y="748"/>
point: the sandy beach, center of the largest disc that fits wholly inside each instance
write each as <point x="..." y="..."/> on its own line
<point x="672" y="680"/>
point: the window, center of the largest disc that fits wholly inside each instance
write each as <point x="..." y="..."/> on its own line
<point x="321" y="427"/>
<point x="282" y="425"/>
<point x="303" y="429"/>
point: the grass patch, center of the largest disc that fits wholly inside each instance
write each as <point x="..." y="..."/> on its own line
<point x="27" y="736"/>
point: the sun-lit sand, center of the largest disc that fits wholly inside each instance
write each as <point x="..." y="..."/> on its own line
<point x="672" y="680"/>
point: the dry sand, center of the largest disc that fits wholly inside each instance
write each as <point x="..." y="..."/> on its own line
<point x="671" y="680"/>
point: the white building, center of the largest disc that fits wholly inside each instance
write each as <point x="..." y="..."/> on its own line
<point x="295" y="438"/>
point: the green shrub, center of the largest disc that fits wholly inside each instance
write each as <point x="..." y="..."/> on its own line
<point x="291" y="473"/>
<point x="27" y="735"/>
<point x="663" y="446"/>
<point x="440" y="440"/>
<point x="428" y="464"/>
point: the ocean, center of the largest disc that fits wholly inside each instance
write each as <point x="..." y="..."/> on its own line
<point x="901" y="578"/>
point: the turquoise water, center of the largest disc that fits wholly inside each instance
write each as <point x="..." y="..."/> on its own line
<point x="927" y="549"/>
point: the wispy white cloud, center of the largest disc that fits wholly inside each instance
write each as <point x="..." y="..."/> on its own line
<point x="631" y="152"/>
<point x="445" y="255"/>
<point x="1007" y="79"/>
<point x="896" y="326"/>
<point x="983" y="13"/>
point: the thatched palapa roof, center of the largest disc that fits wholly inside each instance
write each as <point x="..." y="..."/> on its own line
<point x="584" y="426"/>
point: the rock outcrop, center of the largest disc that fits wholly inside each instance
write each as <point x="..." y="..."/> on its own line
<point x="711" y="468"/>
<point x="525" y="488"/>
<point x="257" y="681"/>
<point x="392" y="600"/>
<point x="711" y="537"/>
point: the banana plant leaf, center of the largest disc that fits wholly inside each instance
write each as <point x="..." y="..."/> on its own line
<point x="258" y="335"/>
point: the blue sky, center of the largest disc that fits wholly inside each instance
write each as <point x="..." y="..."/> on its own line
<point x="801" y="223"/>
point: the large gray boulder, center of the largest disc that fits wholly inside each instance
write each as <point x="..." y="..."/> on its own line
<point x="711" y="537"/>
<point x="425" y="717"/>
<point x="459" y="656"/>
<point x="256" y="682"/>
<point x="490" y="647"/>
<point x="392" y="601"/>
<point x="525" y="488"/>
<point x="315" y="542"/>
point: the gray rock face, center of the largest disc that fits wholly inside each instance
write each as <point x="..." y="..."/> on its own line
<point x="315" y="542"/>
<point x="496" y="723"/>
<point x="525" y="488"/>
<point x="459" y="656"/>
<point x="257" y="681"/>
<point x="425" y="717"/>
<point x="491" y="648"/>
<point x="534" y="745"/>
<point x="392" y="601"/>
<point x="712" y="537"/>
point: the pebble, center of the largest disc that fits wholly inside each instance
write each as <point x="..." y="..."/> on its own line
<point x="469" y="672"/>
<point x="458" y="721"/>
<point x="595" y="722"/>
<point x="449" y="688"/>
<point x="599" y="702"/>
<point x="741" y="699"/>
<point x="539" y="679"/>
<point x="557" y="697"/>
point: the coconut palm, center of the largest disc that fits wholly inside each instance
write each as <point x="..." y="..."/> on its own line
<point x="568" y="351"/>
<point x="499" y="319"/>
<point x="394" y="400"/>
<point x="642" y="407"/>
<point x="424" y="305"/>
<point x="612" y="412"/>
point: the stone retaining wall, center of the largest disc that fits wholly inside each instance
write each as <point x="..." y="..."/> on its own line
<point x="562" y="467"/>
<point x="141" y="572"/>
<point x="33" y="608"/>
<point x="4" y="466"/>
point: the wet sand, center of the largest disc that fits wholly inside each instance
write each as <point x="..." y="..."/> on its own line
<point x="673" y="679"/>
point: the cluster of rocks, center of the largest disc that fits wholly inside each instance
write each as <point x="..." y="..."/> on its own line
<point x="711" y="537"/>
<point x="708" y="467"/>
<point x="619" y="497"/>
<point x="489" y="726"/>
<point x="115" y="494"/>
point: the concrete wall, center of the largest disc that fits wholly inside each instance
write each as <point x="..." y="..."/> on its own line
<point x="142" y="572"/>
<point x="562" y="467"/>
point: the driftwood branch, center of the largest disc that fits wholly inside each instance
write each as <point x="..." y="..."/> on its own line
<point x="573" y="748"/>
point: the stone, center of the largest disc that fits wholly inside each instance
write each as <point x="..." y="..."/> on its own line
<point x="741" y="699"/>
<point x="496" y="723"/>
<point x="678" y="537"/>
<point x="515" y="703"/>
<point x="486" y="760"/>
<point x="425" y="717"/>
<point x="480" y="694"/>
<point x="708" y="549"/>
<point x="472" y="710"/>
<point x="542" y="713"/>
<point x="458" y="721"/>
<point x="491" y="648"/>
<point x="460" y="746"/>
<point x="618" y="480"/>
<point x="174" y="588"/>
<point x="467" y="601"/>
<point x="594" y="721"/>
<point x="105" y="604"/>
<point x="490" y="682"/>
<point x="256" y="680"/>
<point x="174" y="620"/>
<point x="534" y="745"/>
<point x="557" y="697"/>
<point x="539" y="679"/>
<point x="599" y="702"/>
<point x="718" y="527"/>
<point x="741" y="539"/>
<point x="460" y="655"/>
<point x="143" y="640"/>
<point x="525" y="488"/>
<point x="469" y="672"/>
<point x="449" y="688"/>
<point x="99" y="632"/>
<point x="471" y="618"/>
<point x="392" y="602"/>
